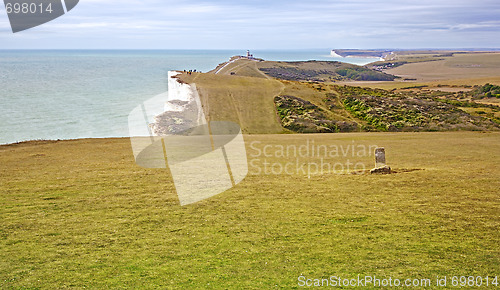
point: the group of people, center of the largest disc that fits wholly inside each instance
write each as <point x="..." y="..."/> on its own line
<point x="189" y="72"/>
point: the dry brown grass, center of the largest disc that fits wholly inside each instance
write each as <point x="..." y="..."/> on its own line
<point x="458" y="67"/>
<point x="490" y="101"/>
<point x="248" y="101"/>
<point x="454" y="84"/>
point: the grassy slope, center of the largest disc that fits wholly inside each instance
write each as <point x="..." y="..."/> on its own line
<point x="241" y="67"/>
<point x="244" y="100"/>
<point x="82" y="214"/>
<point x="249" y="101"/>
<point x="300" y="70"/>
<point x="315" y="93"/>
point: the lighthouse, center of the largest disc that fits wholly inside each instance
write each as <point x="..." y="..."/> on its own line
<point x="249" y="55"/>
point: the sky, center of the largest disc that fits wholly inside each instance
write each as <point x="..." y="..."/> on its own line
<point x="260" y="24"/>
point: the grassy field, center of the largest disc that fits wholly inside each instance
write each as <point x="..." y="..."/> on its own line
<point x="439" y="70"/>
<point x="458" y="67"/>
<point x="81" y="214"/>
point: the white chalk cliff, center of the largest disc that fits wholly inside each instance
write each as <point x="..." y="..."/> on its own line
<point x="183" y="109"/>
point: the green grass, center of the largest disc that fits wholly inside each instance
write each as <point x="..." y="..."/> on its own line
<point x="81" y="214"/>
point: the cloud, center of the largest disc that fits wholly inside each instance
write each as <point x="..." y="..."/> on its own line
<point x="476" y="26"/>
<point x="273" y="24"/>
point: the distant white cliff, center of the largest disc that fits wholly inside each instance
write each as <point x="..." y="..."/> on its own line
<point x="334" y="54"/>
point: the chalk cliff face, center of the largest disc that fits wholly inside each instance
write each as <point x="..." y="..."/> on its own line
<point x="183" y="109"/>
<point x="177" y="90"/>
<point x="334" y="54"/>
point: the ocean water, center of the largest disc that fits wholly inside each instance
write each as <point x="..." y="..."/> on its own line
<point x="68" y="94"/>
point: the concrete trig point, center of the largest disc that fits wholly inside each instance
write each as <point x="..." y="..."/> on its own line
<point x="379" y="157"/>
<point x="380" y="165"/>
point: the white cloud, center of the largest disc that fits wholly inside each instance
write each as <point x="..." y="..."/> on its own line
<point x="478" y="25"/>
<point x="271" y="23"/>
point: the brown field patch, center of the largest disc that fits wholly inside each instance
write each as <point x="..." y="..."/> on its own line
<point x="460" y="66"/>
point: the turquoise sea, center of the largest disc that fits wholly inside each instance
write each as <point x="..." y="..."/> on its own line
<point x="68" y="94"/>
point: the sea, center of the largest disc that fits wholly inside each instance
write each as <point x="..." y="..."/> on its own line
<point x="70" y="94"/>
